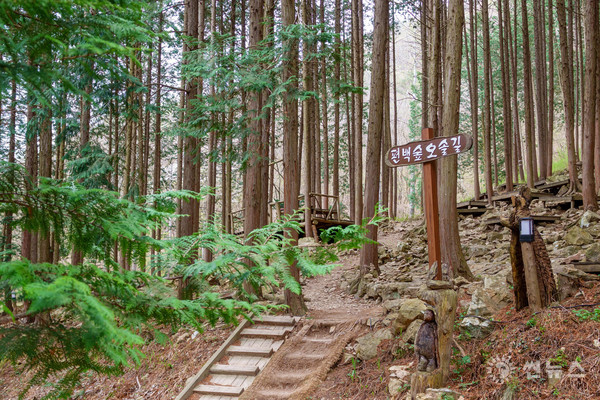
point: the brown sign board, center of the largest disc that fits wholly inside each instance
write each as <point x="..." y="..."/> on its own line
<point x="427" y="150"/>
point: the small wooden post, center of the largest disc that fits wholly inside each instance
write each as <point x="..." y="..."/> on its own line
<point x="431" y="209"/>
<point x="531" y="277"/>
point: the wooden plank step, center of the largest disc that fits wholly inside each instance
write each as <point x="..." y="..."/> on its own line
<point x="250" y="351"/>
<point x="276" y="320"/>
<point x="266" y="333"/>
<point x="304" y="356"/>
<point x="471" y="211"/>
<point x="472" y="203"/>
<point x="225" y="369"/>
<point x="219" y="390"/>
<point x="317" y="340"/>
<point x="589" y="267"/>
<point x="536" y="218"/>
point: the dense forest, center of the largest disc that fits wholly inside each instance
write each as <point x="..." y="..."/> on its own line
<point x="150" y="150"/>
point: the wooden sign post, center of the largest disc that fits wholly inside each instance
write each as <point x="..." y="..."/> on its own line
<point x="426" y="152"/>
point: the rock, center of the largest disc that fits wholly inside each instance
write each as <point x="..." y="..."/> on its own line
<point x="407" y="313"/>
<point x="411" y="331"/>
<point x="592" y="254"/>
<point x="552" y="237"/>
<point x="588" y="217"/>
<point x="577" y="236"/>
<point x="399" y="378"/>
<point x="461" y="281"/>
<point x="500" y="295"/>
<point x="479" y="304"/>
<point x="366" y="347"/>
<point x="477" y="251"/>
<point x="346" y="358"/>
<point x="494" y="237"/>
<point x="403" y="247"/>
<point x="509" y="393"/>
<point x="569" y="280"/>
<point x="439" y="285"/>
<point x="392" y="305"/>
<point x="439" y="394"/>
<point x="476" y="327"/>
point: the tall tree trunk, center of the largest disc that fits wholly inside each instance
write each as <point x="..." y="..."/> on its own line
<point x="394" y="99"/>
<point x="307" y="122"/>
<point x="590" y="201"/>
<point x="529" y="119"/>
<point x="291" y="163"/>
<point x="487" y="125"/>
<point x="368" y="255"/>
<point x="517" y="156"/>
<point x="45" y="169"/>
<point x="336" y="105"/>
<point x="190" y="146"/>
<point x="207" y="255"/>
<point x="350" y="112"/>
<point x="474" y="93"/>
<point x="566" y="83"/>
<point x="325" y="119"/>
<point x="158" y="120"/>
<point x="357" y="49"/>
<point x="506" y="111"/>
<point x="253" y="184"/>
<point x="541" y="91"/>
<point x="84" y="138"/>
<point x="449" y="239"/>
<point x="551" y="89"/>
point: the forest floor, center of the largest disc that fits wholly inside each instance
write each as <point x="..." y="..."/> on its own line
<point x="565" y="336"/>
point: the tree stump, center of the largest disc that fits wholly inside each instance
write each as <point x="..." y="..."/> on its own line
<point x="442" y="298"/>
<point x="533" y="280"/>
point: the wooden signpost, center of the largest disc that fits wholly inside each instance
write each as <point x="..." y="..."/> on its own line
<point x="426" y="152"/>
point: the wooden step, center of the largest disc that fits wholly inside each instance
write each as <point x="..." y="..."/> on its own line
<point x="304" y="356"/>
<point x="225" y="369"/>
<point x="588" y="267"/>
<point x="219" y="390"/>
<point x="276" y="320"/>
<point x="317" y="340"/>
<point x="266" y="333"/>
<point x="250" y="351"/>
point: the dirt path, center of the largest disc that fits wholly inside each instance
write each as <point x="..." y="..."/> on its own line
<point x="333" y="320"/>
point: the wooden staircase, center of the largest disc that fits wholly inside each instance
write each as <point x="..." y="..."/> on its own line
<point x="238" y="361"/>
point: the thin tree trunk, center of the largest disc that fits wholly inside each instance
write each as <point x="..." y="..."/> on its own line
<point x="590" y="201"/>
<point x="487" y="123"/>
